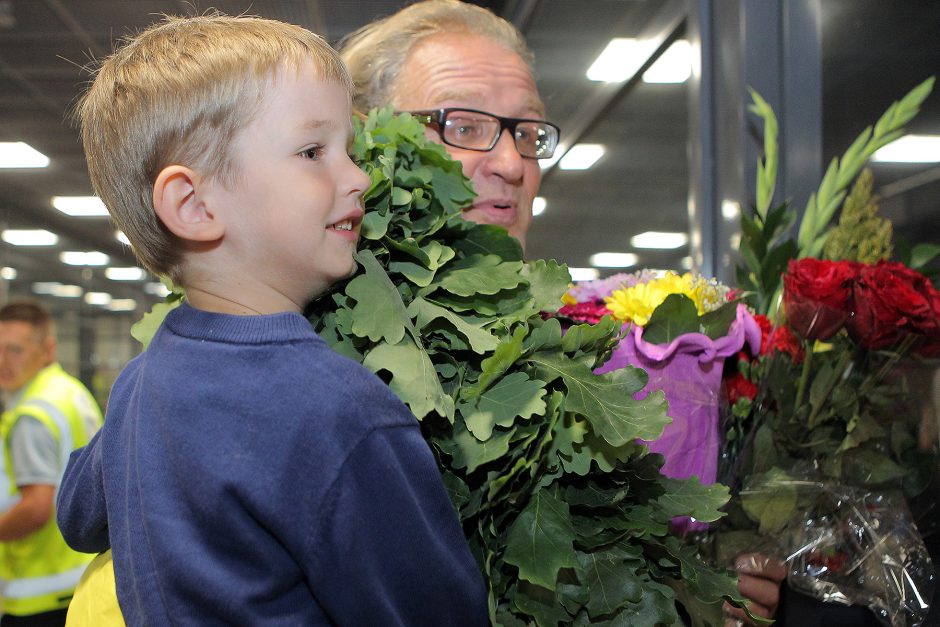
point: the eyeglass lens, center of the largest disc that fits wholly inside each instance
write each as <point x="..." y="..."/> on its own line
<point x="475" y="131"/>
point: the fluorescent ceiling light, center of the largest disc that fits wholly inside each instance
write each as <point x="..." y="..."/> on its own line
<point x="910" y="149"/>
<point x="538" y="206"/>
<point x="672" y="66"/>
<point x="29" y="237"/>
<point x="659" y="239"/>
<point x="80" y="206"/>
<point x="686" y="263"/>
<point x="98" y="298"/>
<point x="620" y="60"/>
<point x="584" y="274"/>
<point x="119" y="236"/>
<point x="613" y="260"/>
<point x="44" y="287"/>
<point x="21" y="155"/>
<point x="66" y="291"/>
<point x="581" y="156"/>
<point x="133" y="273"/>
<point x="8" y="273"/>
<point x="78" y="258"/>
<point x="157" y="289"/>
<point x="122" y="304"/>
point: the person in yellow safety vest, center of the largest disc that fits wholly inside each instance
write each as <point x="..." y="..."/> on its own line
<point x="48" y="415"/>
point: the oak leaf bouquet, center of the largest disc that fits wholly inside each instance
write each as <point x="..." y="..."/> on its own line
<point x="566" y="512"/>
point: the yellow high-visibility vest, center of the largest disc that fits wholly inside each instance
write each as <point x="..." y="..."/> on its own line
<point x="40" y="570"/>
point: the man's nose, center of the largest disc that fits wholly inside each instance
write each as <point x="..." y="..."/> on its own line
<point x="504" y="160"/>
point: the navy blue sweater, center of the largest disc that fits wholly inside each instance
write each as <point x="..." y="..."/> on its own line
<point x="248" y="474"/>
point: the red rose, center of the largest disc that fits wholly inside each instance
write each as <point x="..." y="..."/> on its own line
<point x="738" y="387"/>
<point x="891" y="301"/>
<point x="817" y="295"/>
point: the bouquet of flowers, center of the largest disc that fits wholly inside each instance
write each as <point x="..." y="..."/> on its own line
<point x="679" y="329"/>
<point x="823" y="407"/>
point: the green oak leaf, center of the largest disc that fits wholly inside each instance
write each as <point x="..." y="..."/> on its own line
<point x="513" y="395"/>
<point x="480" y="340"/>
<point x="611" y="585"/>
<point x="471" y="453"/>
<point x="688" y="497"/>
<point x="548" y="281"/>
<point x="606" y="400"/>
<point x="506" y="353"/>
<point x="144" y="329"/>
<point x="485" y="274"/>
<point x="541" y="540"/>
<point x="414" y="378"/>
<point x="486" y="239"/>
<point x="379" y="312"/>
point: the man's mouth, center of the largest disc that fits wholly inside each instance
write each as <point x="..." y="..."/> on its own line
<point x="499" y="212"/>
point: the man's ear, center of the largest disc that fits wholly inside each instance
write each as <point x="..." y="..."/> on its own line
<point x="179" y="203"/>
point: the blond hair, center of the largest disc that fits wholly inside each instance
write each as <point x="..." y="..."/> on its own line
<point x="178" y="93"/>
<point x="376" y="52"/>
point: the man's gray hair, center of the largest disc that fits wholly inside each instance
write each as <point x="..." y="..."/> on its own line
<point x="376" y="52"/>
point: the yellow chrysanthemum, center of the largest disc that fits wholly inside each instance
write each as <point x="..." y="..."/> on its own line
<point x="636" y="304"/>
<point x="568" y="299"/>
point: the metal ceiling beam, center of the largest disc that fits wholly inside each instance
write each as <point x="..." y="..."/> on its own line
<point x="663" y="28"/>
<point x="75" y="27"/>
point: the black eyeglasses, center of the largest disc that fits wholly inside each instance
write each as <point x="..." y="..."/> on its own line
<point x="479" y="130"/>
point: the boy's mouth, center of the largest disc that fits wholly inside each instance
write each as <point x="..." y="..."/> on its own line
<point x="342" y="225"/>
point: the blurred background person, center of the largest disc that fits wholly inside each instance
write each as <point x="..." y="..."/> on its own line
<point x="48" y="413"/>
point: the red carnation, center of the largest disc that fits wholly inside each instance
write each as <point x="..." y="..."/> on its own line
<point x="817" y="296"/>
<point x="739" y="387"/>
<point x="782" y="340"/>
<point x="890" y="301"/>
<point x="590" y="312"/>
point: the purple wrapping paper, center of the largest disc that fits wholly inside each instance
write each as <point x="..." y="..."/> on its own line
<point x="688" y="370"/>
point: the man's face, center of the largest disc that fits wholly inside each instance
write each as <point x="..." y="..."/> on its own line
<point x="472" y="72"/>
<point x="23" y="353"/>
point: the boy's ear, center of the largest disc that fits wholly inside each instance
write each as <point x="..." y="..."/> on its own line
<point x="179" y="203"/>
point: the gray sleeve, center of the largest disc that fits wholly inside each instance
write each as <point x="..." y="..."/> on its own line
<point x="34" y="453"/>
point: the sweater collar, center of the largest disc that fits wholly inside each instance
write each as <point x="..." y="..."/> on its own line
<point x="187" y="321"/>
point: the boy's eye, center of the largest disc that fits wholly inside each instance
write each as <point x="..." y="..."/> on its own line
<point x="313" y="153"/>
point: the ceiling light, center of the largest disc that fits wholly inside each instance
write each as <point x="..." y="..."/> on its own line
<point x="538" y="206"/>
<point x="119" y="236"/>
<point x="8" y="273"/>
<point x="584" y="274"/>
<point x="122" y="304"/>
<point x="78" y="258"/>
<point x="659" y="239"/>
<point x="80" y="206"/>
<point x="581" y="157"/>
<point x="157" y="289"/>
<point x="620" y="60"/>
<point x="731" y="210"/>
<point x="613" y="260"/>
<point x="672" y="66"/>
<point x="29" y="237"/>
<point x="910" y="149"/>
<point x="98" y="298"/>
<point x="132" y="273"/>
<point x="686" y="263"/>
<point x="21" y="155"/>
<point x="44" y="287"/>
<point x="66" y="291"/>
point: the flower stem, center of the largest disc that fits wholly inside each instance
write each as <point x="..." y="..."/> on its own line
<point x="804" y="375"/>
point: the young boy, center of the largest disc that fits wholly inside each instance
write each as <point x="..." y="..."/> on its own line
<point x="246" y="474"/>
